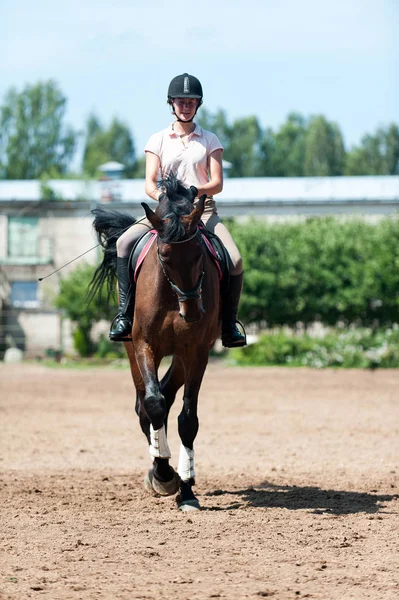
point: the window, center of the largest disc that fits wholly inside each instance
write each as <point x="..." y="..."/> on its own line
<point x="24" y="294"/>
<point x="23" y="236"/>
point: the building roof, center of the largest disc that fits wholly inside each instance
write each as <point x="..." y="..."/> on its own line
<point x="312" y="188"/>
<point x="253" y="189"/>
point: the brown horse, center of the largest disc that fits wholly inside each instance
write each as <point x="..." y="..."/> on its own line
<point x="176" y="314"/>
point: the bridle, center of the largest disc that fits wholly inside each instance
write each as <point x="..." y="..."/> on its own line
<point x="195" y="293"/>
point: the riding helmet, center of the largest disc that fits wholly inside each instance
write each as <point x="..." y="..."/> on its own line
<point x="185" y="86"/>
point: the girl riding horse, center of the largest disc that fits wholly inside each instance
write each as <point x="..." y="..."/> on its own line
<point x="194" y="155"/>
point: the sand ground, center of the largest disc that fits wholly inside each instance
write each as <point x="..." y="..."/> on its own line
<point x="297" y="475"/>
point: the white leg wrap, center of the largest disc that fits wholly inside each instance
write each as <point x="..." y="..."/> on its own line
<point x="159" y="444"/>
<point x="186" y="463"/>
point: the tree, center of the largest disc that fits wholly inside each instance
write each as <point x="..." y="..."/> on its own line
<point x="72" y="298"/>
<point x="377" y="154"/>
<point x="254" y="152"/>
<point x="241" y="141"/>
<point x="139" y="169"/>
<point x="103" y="145"/>
<point x="244" y="149"/>
<point x="324" y="149"/>
<point x="217" y="123"/>
<point x="284" y="151"/>
<point x="34" y="140"/>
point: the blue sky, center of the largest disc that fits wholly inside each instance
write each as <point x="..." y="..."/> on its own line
<point x="339" y="58"/>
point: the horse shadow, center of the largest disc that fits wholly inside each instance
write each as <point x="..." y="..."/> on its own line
<point x="318" y="500"/>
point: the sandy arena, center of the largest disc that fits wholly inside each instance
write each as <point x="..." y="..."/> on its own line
<point x="297" y="475"/>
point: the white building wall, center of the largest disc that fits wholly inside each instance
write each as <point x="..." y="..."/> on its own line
<point x="41" y="330"/>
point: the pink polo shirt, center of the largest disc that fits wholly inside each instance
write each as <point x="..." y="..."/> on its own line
<point x="189" y="160"/>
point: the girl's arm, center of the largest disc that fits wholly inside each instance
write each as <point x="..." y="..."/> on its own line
<point x="215" y="183"/>
<point x="152" y="165"/>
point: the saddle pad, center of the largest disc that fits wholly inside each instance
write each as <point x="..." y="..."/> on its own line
<point x="140" y="251"/>
<point x="143" y="245"/>
<point x="213" y="254"/>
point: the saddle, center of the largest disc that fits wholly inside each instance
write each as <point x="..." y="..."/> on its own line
<point x="211" y="241"/>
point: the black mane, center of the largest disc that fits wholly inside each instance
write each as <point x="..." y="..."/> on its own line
<point x="176" y="201"/>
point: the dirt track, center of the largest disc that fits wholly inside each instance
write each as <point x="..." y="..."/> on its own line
<point x="297" y="474"/>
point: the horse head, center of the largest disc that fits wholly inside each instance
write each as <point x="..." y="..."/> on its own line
<point x="179" y="246"/>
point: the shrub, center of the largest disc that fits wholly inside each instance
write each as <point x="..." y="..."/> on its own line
<point x="354" y="348"/>
<point x="108" y="349"/>
<point x="321" y="269"/>
<point x="72" y="298"/>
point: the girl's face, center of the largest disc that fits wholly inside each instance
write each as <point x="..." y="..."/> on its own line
<point x="185" y="107"/>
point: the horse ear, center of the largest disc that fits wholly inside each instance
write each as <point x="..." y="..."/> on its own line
<point x="194" y="192"/>
<point x="153" y="218"/>
<point x="191" y="221"/>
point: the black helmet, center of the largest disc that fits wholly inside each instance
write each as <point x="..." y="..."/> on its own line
<point x="185" y="86"/>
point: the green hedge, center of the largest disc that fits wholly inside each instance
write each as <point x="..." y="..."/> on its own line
<point x="354" y="348"/>
<point x="321" y="269"/>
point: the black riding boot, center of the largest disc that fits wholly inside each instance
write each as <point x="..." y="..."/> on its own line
<point x="231" y="335"/>
<point x="122" y="330"/>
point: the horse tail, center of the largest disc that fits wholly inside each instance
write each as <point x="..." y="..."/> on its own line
<point x="109" y="226"/>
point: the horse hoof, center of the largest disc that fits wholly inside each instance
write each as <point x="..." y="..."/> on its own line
<point x="189" y="505"/>
<point x="161" y="488"/>
<point x="148" y="483"/>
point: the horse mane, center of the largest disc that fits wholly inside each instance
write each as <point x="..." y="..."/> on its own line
<point x="176" y="201"/>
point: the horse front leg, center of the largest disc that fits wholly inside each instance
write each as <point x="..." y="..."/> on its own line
<point x="171" y="382"/>
<point x="140" y="391"/>
<point x="188" y="425"/>
<point x="162" y="478"/>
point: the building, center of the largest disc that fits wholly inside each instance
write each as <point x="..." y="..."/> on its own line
<point x="39" y="236"/>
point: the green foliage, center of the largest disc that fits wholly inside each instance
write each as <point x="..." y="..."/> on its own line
<point x="112" y="144"/>
<point x="284" y="151"/>
<point x="109" y="350"/>
<point x="324" y="149"/>
<point x="82" y="341"/>
<point x="48" y="193"/>
<point x="319" y="270"/>
<point x="34" y="141"/>
<point x="240" y="139"/>
<point x="301" y="146"/>
<point x="139" y="168"/>
<point x="217" y="123"/>
<point x="377" y="154"/>
<point x="33" y="137"/>
<point x="243" y="148"/>
<point x="311" y="147"/>
<point x="72" y="298"/>
<point x="354" y="348"/>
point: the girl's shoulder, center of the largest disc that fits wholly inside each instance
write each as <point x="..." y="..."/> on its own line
<point x="155" y="141"/>
<point x="160" y="134"/>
